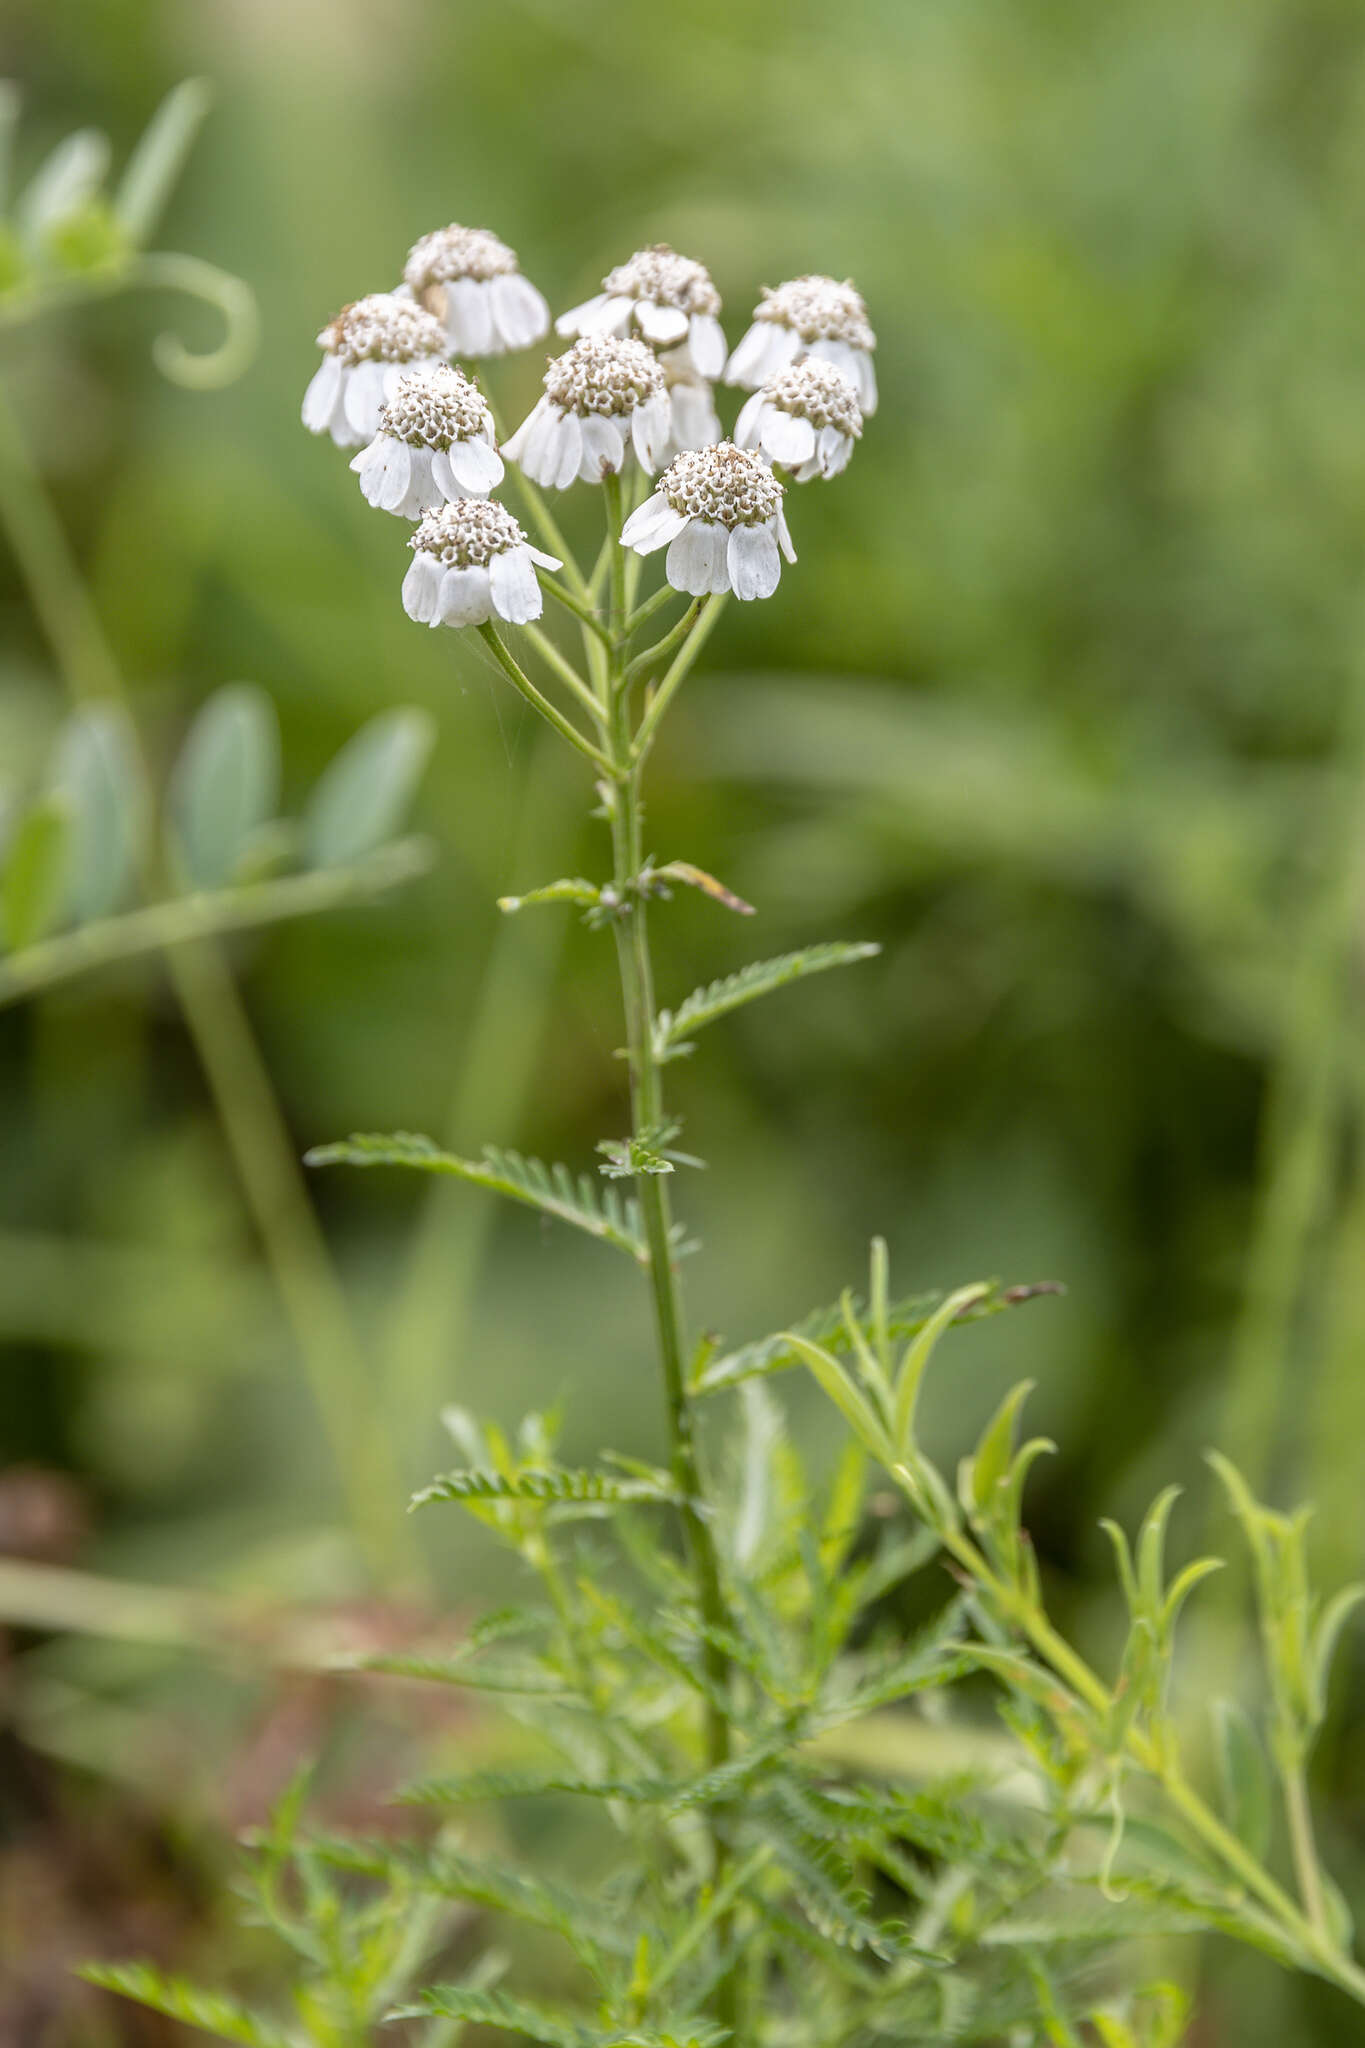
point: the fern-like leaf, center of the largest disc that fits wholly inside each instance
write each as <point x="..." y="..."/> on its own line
<point x="705" y="1005"/>
<point x="555" y="2027"/>
<point x="828" y="1327"/>
<point x="555" y="1485"/>
<point x="207" y="2010"/>
<point x="579" y="1199"/>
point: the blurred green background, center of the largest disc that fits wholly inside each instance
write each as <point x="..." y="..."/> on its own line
<point x="1063" y="704"/>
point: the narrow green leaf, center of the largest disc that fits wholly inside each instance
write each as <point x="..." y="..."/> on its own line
<point x="991" y="1460"/>
<point x="95" y="773"/>
<point x="1151" y="1552"/>
<point x="1244" y="1777"/>
<point x="572" y="889"/>
<point x="845" y="1396"/>
<point x="1182" y="1585"/>
<point x="905" y="1318"/>
<point x="1326" y="1636"/>
<point x="552" y="1485"/>
<point x="361" y="798"/>
<point x="159" y="157"/>
<point x="553" y="2025"/>
<point x="225" y="785"/>
<point x="917" y="1356"/>
<point x="581" y="1200"/>
<point x="761" y="978"/>
<point x="64" y="185"/>
<point x="207" y="2010"/>
<point x="34" y="881"/>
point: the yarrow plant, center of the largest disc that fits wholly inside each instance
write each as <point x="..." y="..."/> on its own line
<point x="769" y="1853"/>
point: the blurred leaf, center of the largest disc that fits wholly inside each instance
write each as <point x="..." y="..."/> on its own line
<point x="34" y="881"/>
<point x="759" y="978"/>
<point x="207" y="2010"/>
<point x="362" y="796"/>
<point x="159" y="157"/>
<point x="10" y="103"/>
<point x="62" y="187"/>
<point x="1244" y="1776"/>
<point x="95" y="771"/>
<point x="225" y="784"/>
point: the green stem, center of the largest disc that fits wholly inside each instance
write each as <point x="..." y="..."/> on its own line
<point x="662" y="596"/>
<point x="565" y="670"/>
<point x="200" y="916"/>
<point x="521" y="682"/>
<point x="550" y="530"/>
<point x="255" y="1131"/>
<point x="705" y="611"/>
<point x="1303" y="1846"/>
<point x="1307" y="1933"/>
<point x="647" y="1113"/>
<point x="584" y="612"/>
<point x="664" y="648"/>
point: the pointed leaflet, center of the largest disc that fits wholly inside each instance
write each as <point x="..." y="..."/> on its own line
<point x="225" y="785"/>
<point x="34" y="882"/>
<point x="361" y="798"/>
<point x="551" y="1485"/>
<point x="553" y="1189"/>
<point x="207" y="2010"/>
<point x="158" y="158"/>
<point x="705" y="1005"/>
<point x="826" y="1326"/>
<point x="94" y="771"/>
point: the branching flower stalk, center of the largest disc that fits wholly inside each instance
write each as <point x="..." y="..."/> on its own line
<point x="760" y="1895"/>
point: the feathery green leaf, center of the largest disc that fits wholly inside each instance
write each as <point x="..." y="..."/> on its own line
<point x="760" y="978"/>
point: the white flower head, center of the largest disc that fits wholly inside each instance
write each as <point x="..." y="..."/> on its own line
<point x="719" y="513"/>
<point x="806" y="417"/>
<point x="470" y="560"/>
<point x="367" y="349"/>
<point x="472" y="282"/>
<point x="666" y="298"/>
<point x="436" y="443"/>
<point x="604" y="399"/>
<point x="808" y="316"/>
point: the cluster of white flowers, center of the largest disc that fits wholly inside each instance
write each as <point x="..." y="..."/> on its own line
<point x="635" y="388"/>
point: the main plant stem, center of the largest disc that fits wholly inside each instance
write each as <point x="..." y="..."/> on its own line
<point x="647" y="1117"/>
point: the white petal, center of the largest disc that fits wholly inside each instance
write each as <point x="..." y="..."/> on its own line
<point x="514" y="447"/>
<point x="706" y="345"/>
<point x="363" y="397"/>
<point x="856" y="365"/>
<point x="748" y="431"/>
<point x="784" y="539"/>
<point x="695" y="421"/>
<point x="643" y="517"/>
<point x="835" y="450"/>
<point x="476" y="467"/>
<point x="767" y="346"/>
<point x="516" y="592"/>
<point x="469" y="317"/>
<point x="466" y="599"/>
<point x="787" y="439"/>
<point x="443" y="477"/>
<point x="651" y="429"/>
<point x="604" y="448"/>
<point x="652" y="525"/>
<point x="424" y="493"/>
<point x="569" y="445"/>
<point x="808" y="471"/>
<point x="578" y="317"/>
<point x="319" y="400"/>
<point x="397" y="477"/>
<point x="545" y="561"/>
<point x="520" y="314"/>
<point x="663" y="325"/>
<point x="695" y="561"/>
<point x="422" y="588"/>
<point x="752" y="563"/>
<point x="608" y="313"/>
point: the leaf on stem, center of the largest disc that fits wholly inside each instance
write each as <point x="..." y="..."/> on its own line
<point x="207" y="2010"/>
<point x="554" y="1190"/>
<point x="550" y="1485"/>
<point x="573" y="889"/>
<point x="362" y="796"/>
<point x="693" y="877"/>
<point x="905" y="1318"/>
<point x="732" y="991"/>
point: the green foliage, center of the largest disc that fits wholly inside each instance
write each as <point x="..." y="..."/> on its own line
<point x="761" y="978"/>
<point x="79" y="849"/>
<point x="209" y="2011"/>
<point x="554" y="1190"/>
